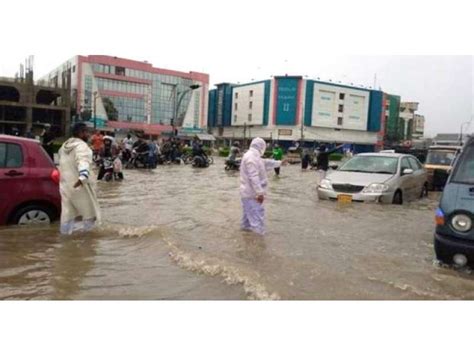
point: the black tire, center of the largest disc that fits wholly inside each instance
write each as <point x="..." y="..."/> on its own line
<point x="108" y="177"/>
<point x="20" y="213"/>
<point x="424" y="191"/>
<point x="398" y="198"/>
<point x="442" y="255"/>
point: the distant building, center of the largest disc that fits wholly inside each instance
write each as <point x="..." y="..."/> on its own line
<point x="291" y="108"/>
<point x="26" y="106"/>
<point x="392" y="119"/>
<point x="128" y="94"/>
<point x="407" y="120"/>
<point x="418" y="127"/>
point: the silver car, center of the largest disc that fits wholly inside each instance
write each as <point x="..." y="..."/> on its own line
<point x="376" y="177"/>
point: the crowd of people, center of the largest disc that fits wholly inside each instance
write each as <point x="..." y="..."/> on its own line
<point x="80" y="208"/>
<point x="143" y="153"/>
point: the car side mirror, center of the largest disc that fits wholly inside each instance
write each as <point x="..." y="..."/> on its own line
<point x="407" y="172"/>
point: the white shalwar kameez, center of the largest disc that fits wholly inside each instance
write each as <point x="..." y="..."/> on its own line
<point x="79" y="207"/>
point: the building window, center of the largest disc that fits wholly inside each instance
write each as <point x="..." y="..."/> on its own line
<point x="342" y="96"/>
<point x="236" y="106"/>
<point x="235" y="118"/>
<point x="341" y="108"/>
<point x="339" y="121"/>
<point x="251" y="93"/>
<point x="120" y="71"/>
<point x="250" y="105"/>
<point x="250" y="117"/>
<point x="73" y="68"/>
<point x="236" y="95"/>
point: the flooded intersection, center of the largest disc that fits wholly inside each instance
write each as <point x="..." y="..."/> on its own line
<point x="173" y="233"/>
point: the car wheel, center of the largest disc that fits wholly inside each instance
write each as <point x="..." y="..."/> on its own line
<point x="424" y="191"/>
<point x="442" y="255"/>
<point x="33" y="214"/>
<point x="398" y="198"/>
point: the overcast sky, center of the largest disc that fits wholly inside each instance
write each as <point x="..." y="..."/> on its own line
<point x="241" y="41"/>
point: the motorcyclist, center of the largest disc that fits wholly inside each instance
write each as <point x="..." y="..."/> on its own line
<point x="127" y="147"/>
<point x="108" y="151"/>
<point x="198" y="152"/>
<point x="234" y="152"/>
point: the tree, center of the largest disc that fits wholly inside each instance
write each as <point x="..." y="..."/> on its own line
<point x="112" y="112"/>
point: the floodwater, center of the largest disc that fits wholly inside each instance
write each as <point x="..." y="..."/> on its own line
<point x="173" y="233"/>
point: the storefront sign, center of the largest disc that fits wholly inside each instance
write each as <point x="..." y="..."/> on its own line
<point x="285" y="132"/>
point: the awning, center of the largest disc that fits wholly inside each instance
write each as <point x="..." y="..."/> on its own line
<point x="206" y="137"/>
<point x="150" y="129"/>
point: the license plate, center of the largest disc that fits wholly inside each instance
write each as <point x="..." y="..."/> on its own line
<point x="344" y="198"/>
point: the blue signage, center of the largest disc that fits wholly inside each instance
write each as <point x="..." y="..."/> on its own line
<point x="287" y="103"/>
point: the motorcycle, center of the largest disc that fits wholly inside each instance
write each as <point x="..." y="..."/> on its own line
<point x="137" y="160"/>
<point x="111" y="169"/>
<point x="232" y="165"/>
<point x="200" y="161"/>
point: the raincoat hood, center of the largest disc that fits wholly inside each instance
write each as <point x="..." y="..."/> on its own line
<point x="259" y="145"/>
<point x="71" y="144"/>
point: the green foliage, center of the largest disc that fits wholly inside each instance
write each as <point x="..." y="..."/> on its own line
<point x="224" y="152"/>
<point x="336" y="157"/>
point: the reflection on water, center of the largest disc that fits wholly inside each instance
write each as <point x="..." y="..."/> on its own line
<point x="173" y="233"/>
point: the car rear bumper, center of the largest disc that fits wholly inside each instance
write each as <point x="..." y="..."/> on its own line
<point x="447" y="247"/>
<point x="386" y="197"/>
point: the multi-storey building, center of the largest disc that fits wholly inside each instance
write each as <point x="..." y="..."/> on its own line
<point x="291" y="108"/>
<point x="123" y="93"/>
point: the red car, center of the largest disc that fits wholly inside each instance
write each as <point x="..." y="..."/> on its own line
<point x="29" y="183"/>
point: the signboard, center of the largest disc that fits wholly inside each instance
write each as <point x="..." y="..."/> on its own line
<point x="285" y="132"/>
<point x="287" y="101"/>
<point x="148" y="104"/>
<point x="99" y="122"/>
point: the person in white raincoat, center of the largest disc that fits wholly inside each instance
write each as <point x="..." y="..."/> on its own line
<point x="253" y="185"/>
<point x="79" y="207"/>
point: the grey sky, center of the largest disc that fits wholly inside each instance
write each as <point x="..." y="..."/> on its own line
<point x="201" y="38"/>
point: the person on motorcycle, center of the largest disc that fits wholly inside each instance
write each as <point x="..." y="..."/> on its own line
<point x="127" y="147"/>
<point x="232" y="160"/>
<point x="108" y="151"/>
<point x="198" y="153"/>
<point x="234" y="151"/>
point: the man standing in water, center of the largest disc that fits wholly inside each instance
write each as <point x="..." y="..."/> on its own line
<point x="79" y="207"/>
<point x="253" y="185"/>
<point x="277" y="155"/>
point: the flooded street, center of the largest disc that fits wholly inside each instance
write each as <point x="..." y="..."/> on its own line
<point x="173" y="233"/>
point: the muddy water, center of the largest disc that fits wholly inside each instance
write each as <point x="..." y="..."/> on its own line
<point x="173" y="233"/>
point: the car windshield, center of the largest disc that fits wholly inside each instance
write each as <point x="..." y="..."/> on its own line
<point x="371" y="164"/>
<point x="440" y="157"/>
<point x="464" y="171"/>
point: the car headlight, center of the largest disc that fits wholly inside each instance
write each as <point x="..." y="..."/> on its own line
<point x="375" y="188"/>
<point x="461" y="222"/>
<point x="325" y="184"/>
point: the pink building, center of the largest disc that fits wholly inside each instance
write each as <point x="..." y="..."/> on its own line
<point x="129" y="94"/>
